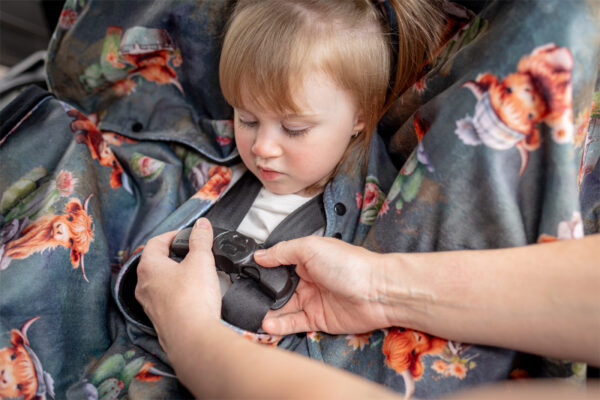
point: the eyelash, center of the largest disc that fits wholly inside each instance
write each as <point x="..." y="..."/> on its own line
<point x="249" y="124"/>
<point x="295" y="133"/>
<point x="289" y="132"/>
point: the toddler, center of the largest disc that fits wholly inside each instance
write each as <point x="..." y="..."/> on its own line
<point x="308" y="81"/>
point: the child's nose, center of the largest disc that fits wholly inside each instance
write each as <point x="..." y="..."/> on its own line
<point x="265" y="144"/>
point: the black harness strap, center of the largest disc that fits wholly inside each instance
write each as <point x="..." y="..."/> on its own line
<point x="244" y="304"/>
<point x="229" y="211"/>
<point x="304" y="221"/>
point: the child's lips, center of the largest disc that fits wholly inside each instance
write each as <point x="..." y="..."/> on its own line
<point x="268" y="174"/>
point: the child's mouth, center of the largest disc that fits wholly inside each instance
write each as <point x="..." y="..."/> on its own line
<point x="268" y="174"/>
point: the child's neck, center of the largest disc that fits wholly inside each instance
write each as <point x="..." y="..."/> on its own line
<point x="303" y="193"/>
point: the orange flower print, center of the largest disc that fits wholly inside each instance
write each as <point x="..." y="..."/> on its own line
<point x="453" y="361"/>
<point x="358" y="341"/>
<point x="177" y="59"/>
<point x="441" y="367"/>
<point x="457" y="370"/>
<point x="113" y="59"/>
<point x="314" y="336"/>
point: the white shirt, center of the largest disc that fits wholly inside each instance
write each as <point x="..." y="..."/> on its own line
<point x="267" y="211"/>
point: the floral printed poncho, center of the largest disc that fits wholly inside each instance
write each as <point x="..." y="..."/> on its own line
<point x="495" y="146"/>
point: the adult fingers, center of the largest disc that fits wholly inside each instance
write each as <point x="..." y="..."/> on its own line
<point x="159" y="245"/>
<point x="152" y="264"/>
<point x="293" y="305"/>
<point x="287" y="323"/>
<point x="291" y="252"/>
<point x="291" y="317"/>
<point x="201" y="239"/>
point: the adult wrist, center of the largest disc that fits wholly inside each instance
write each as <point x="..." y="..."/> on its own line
<point x="405" y="290"/>
<point x="184" y="317"/>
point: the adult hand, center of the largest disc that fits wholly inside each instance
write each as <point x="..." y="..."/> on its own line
<point x="172" y="292"/>
<point x="339" y="288"/>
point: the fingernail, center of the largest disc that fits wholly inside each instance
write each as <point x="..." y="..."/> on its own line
<point x="202" y="223"/>
<point x="260" y="253"/>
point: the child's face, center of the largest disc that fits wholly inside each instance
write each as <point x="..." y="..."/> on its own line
<point x="289" y="153"/>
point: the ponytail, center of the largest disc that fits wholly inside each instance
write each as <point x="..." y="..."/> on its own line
<point x="415" y="29"/>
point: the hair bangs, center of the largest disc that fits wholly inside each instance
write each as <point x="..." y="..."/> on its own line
<point x="255" y="67"/>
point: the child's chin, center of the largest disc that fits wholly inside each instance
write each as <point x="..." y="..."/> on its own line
<point x="281" y="191"/>
<point x="277" y="190"/>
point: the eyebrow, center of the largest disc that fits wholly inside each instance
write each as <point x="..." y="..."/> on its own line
<point x="286" y="116"/>
<point x="301" y="116"/>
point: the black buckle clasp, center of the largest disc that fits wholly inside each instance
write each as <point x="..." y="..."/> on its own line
<point x="234" y="255"/>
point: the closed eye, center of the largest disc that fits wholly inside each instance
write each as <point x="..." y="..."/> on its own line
<point x="248" y="123"/>
<point x="295" y="132"/>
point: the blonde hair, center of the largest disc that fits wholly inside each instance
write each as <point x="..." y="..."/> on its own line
<point x="272" y="45"/>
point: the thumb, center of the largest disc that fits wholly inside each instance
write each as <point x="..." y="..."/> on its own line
<point x="286" y="324"/>
<point x="201" y="239"/>
<point x="291" y="252"/>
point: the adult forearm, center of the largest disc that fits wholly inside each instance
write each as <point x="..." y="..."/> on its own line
<point x="213" y="361"/>
<point x="216" y="362"/>
<point x="541" y="298"/>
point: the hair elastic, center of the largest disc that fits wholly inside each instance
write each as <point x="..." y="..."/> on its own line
<point x="389" y="16"/>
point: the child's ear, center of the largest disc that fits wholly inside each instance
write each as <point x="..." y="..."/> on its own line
<point x="359" y="123"/>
